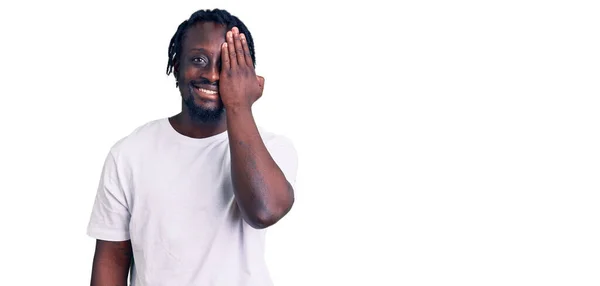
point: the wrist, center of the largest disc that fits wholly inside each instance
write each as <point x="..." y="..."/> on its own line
<point x="238" y="109"/>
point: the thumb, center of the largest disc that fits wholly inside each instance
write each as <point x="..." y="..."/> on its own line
<point x="261" y="85"/>
<point x="261" y="82"/>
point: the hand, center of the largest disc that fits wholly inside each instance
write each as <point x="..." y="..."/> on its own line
<point x="239" y="86"/>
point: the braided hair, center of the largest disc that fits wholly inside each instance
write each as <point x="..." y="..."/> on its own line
<point x="217" y="16"/>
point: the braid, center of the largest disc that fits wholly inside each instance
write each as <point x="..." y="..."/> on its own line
<point x="217" y="16"/>
<point x="174" y="47"/>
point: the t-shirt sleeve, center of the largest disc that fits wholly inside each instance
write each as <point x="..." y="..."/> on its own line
<point x="284" y="154"/>
<point x="110" y="212"/>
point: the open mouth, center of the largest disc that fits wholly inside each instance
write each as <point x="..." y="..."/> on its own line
<point x="204" y="92"/>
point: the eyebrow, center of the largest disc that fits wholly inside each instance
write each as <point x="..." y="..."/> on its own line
<point x="200" y="50"/>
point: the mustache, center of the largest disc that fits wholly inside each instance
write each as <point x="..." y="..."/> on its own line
<point x="204" y="81"/>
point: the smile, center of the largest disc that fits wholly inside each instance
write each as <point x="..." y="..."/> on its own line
<point x="209" y="93"/>
<point x="203" y="90"/>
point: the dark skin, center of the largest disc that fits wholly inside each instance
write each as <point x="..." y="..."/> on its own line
<point x="219" y="60"/>
<point x="112" y="261"/>
<point x="216" y="71"/>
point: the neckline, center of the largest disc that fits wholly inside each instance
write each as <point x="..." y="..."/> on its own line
<point x="190" y="140"/>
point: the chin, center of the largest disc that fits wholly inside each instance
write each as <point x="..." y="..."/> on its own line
<point x="208" y="105"/>
<point x="204" y="111"/>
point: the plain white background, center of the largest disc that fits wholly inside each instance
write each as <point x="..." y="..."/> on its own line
<point x="440" y="142"/>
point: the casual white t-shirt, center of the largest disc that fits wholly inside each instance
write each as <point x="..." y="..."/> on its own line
<point x="172" y="195"/>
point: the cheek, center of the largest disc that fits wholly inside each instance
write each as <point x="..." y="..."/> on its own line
<point x="187" y="69"/>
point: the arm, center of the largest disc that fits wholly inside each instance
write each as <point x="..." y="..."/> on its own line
<point x="112" y="261"/>
<point x="262" y="192"/>
<point x="261" y="189"/>
<point x="109" y="225"/>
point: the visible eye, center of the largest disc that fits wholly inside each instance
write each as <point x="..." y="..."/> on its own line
<point x="200" y="61"/>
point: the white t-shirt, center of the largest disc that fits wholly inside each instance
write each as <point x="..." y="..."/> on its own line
<point x="172" y="195"/>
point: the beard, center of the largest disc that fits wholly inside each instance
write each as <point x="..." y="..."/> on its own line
<point x="201" y="114"/>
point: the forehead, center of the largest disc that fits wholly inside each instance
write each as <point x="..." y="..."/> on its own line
<point x="205" y="34"/>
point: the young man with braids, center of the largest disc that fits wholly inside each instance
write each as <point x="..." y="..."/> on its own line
<point x="185" y="200"/>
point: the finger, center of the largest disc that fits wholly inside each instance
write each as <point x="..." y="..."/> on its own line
<point x="239" y="51"/>
<point x="261" y="82"/>
<point x="246" y="51"/>
<point x="225" y="62"/>
<point x="231" y="49"/>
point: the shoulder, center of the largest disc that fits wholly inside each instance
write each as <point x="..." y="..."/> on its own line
<point x="280" y="146"/>
<point x="284" y="153"/>
<point x="271" y="138"/>
<point x="137" y="138"/>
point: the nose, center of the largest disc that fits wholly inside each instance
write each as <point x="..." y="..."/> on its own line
<point x="213" y="74"/>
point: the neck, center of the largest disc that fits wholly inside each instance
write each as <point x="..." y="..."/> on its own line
<point x="186" y="125"/>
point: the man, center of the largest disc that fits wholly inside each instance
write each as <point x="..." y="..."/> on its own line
<point x="185" y="200"/>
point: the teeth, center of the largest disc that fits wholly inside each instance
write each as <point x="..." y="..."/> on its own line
<point x="207" y="91"/>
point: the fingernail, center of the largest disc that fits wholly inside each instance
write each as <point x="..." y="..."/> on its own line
<point x="243" y="37"/>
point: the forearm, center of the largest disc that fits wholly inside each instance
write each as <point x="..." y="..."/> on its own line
<point x="112" y="262"/>
<point x="262" y="192"/>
